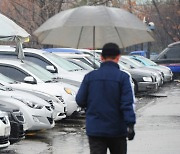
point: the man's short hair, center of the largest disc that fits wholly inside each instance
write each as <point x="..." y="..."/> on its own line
<point x="110" y="50"/>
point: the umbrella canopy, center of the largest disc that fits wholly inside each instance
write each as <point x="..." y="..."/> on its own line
<point x="93" y="26"/>
<point x="10" y="31"/>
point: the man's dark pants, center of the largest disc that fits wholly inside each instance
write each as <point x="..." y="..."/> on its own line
<point x="99" y="145"/>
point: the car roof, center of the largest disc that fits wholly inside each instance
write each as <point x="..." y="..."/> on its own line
<point x="65" y="50"/>
<point x="16" y="62"/>
<point x="174" y="44"/>
<point x="71" y="55"/>
<point x="13" y="48"/>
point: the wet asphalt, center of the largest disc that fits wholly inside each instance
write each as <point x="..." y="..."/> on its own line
<point x="69" y="137"/>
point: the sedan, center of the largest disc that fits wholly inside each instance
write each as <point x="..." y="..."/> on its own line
<point x="58" y="104"/>
<point x="35" y="77"/>
<point x="168" y="75"/>
<point x="131" y="64"/>
<point x="17" y="121"/>
<point x="144" y="81"/>
<point x="4" y="130"/>
<point x="37" y="117"/>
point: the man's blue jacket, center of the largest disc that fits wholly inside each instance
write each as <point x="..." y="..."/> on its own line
<point x="107" y="95"/>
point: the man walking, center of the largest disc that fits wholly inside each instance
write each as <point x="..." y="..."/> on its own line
<point x="107" y="96"/>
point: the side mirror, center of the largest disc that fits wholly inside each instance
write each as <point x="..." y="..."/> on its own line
<point x="51" y="69"/>
<point x="29" y="79"/>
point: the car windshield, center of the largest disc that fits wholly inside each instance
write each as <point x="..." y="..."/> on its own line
<point x="81" y="64"/>
<point x="63" y="63"/>
<point x="148" y="62"/>
<point x="131" y="62"/>
<point x="38" y="71"/>
<point x="94" y="60"/>
<point x="123" y="66"/>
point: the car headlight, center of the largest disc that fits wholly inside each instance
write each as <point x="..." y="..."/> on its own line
<point x="69" y="91"/>
<point x="147" y="79"/>
<point x="33" y="105"/>
<point x="29" y="103"/>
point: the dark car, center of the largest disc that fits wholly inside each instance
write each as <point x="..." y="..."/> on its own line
<point x="170" y="57"/>
<point x="16" y="121"/>
<point x="144" y="81"/>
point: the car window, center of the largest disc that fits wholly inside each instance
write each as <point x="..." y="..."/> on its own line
<point x="170" y="53"/>
<point x="146" y="61"/>
<point x="63" y="63"/>
<point x="2" y="55"/>
<point x="37" y="60"/>
<point x="173" y="53"/>
<point x="13" y="73"/>
<point x="38" y="71"/>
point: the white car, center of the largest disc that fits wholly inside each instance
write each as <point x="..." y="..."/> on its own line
<point x="36" y="78"/>
<point x="58" y="105"/>
<point x="4" y="130"/>
<point x="36" y="116"/>
<point x="60" y="67"/>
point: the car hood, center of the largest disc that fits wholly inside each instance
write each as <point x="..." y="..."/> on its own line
<point x="24" y="96"/>
<point x="74" y="76"/>
<point x="140" y="72"/>
<point x="163" y="69"/>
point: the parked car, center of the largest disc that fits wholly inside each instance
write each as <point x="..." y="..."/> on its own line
<point x="144" y="81"/>
<point x="58" y="104"/>
<point x="4" y="130"/>
<point x="17" y="121"/>
<point x="35" y="77"/>
<point x="168" y="75"/>
<point x="65" y="70"/>
<point x="170" y="57"/>
<point x="130" y="63"/>
<point x="37" y="117"/>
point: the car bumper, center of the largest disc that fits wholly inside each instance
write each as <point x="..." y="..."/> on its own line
<point x="71" y="107"/>
<point x="147" y="86"/>
<point x="59" y="112"/>
<point x="4" y="141"/>
<point x="17" y="132"/>
<point x="168" y="77"/>
<point x="38" y="119"/>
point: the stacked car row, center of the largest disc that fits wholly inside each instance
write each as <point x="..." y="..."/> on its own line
<point x="40" y="96"/>
<point x="147" y="75"/>
<point x="41" y="88"/>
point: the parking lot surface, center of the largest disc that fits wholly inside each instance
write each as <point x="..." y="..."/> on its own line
<point x="156" y="116"/>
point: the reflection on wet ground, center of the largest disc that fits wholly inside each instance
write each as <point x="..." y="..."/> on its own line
<point x="68" y="136"/>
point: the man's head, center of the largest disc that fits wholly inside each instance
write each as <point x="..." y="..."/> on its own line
<point x="110" y="52"/>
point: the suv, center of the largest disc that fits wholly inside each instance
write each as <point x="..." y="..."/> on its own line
<point x="170" y="57"/>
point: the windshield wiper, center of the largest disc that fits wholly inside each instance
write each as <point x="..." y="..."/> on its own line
<point x="48" y="81"/>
